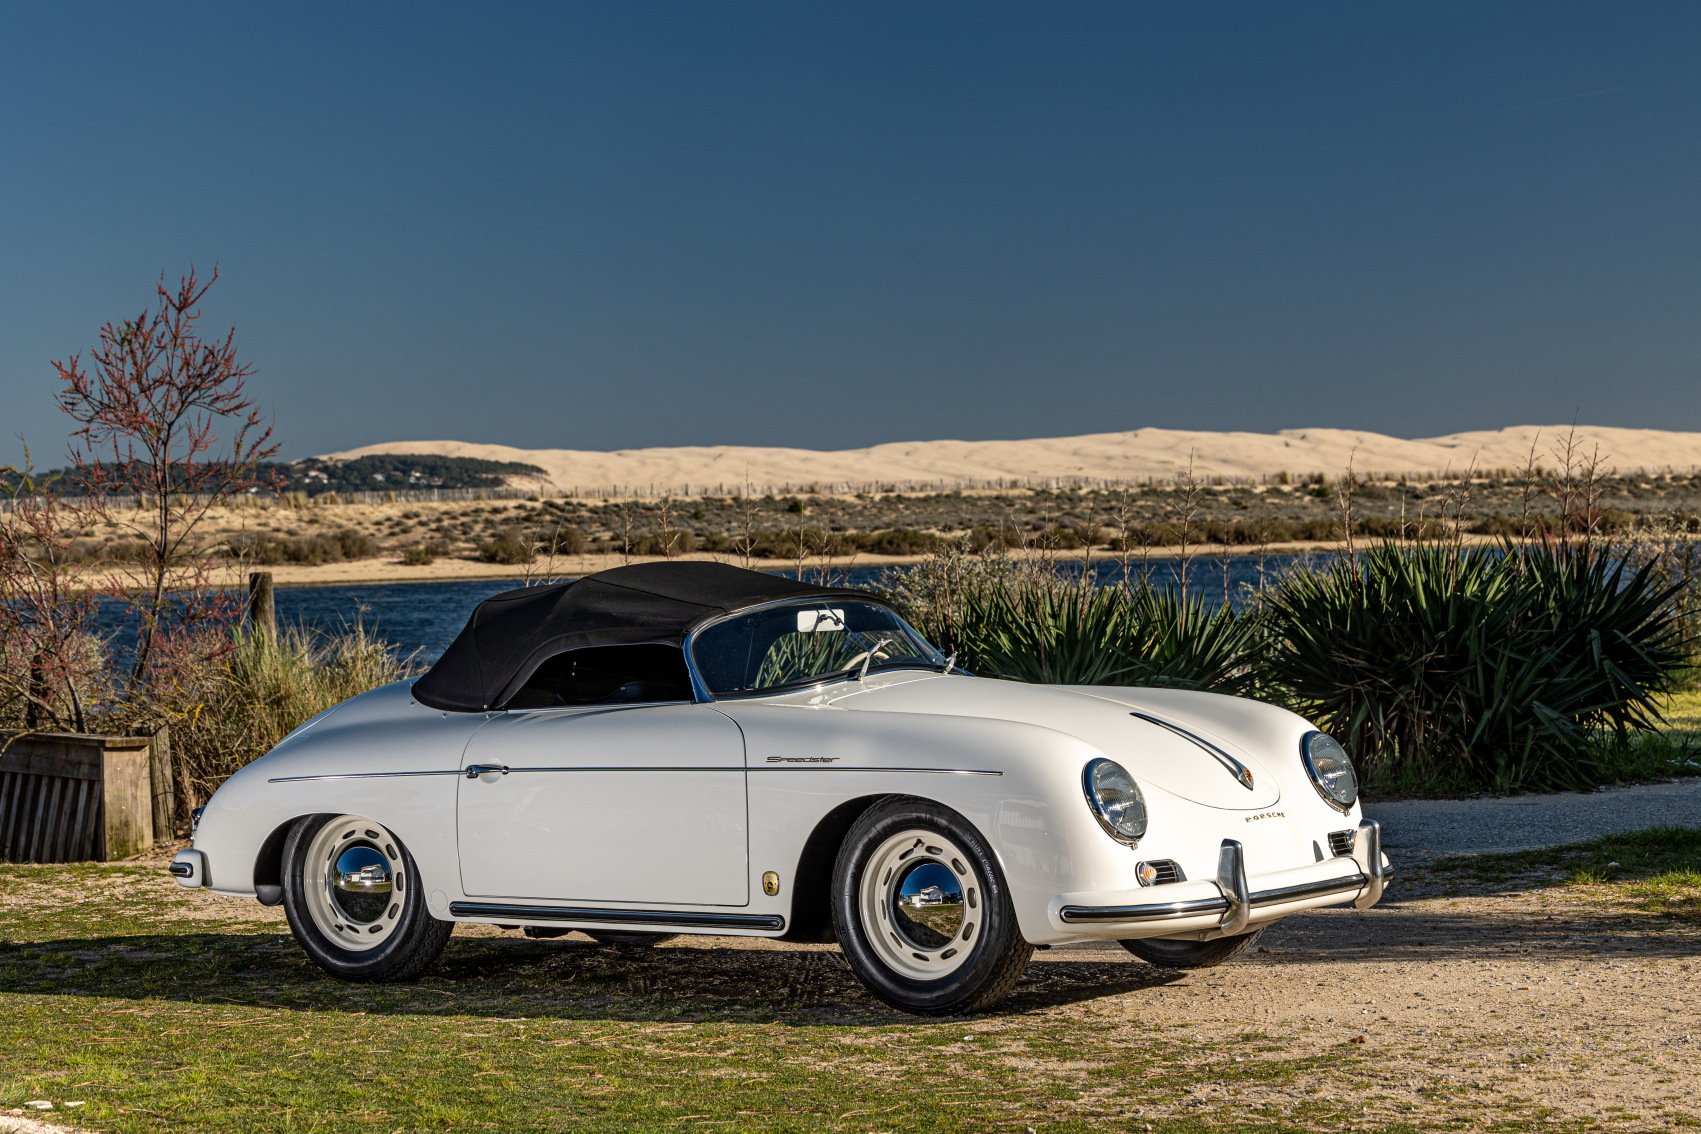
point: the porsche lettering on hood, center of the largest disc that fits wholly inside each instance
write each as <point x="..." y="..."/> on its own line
<point x="1181" y="757"/>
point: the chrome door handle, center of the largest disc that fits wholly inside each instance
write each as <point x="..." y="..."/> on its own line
<point x="474" y="771"/>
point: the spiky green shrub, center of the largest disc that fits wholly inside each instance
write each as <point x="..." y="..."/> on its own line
<point x="1027" y="622"/>
<point x="1444" y="668"/>
<point x="1031" y="628"/>
<point x="1188" y="643"/>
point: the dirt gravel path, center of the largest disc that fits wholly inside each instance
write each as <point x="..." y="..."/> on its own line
<point x="1481" y="1007"/>
<point x="1526" y="822"/>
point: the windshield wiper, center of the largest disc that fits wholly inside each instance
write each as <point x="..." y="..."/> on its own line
<point x="868" y="658"/>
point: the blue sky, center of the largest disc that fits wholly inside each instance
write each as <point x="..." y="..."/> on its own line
<point x="623" y="224"/>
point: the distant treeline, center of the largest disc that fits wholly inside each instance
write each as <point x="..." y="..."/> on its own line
<point x="314" y="476"/>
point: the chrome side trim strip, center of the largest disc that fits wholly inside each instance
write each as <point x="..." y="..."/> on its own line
<point x="842" y="768"/>
<point x="358" y="776"/>
<point x="759" y="768"/>
<point x="645" y="768"/>
<point x="1241" y="773"/>
<point x="593" y="915"/>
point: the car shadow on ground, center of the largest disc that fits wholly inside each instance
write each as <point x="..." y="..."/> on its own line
<point x="571" y="979"/>
<point x="721" y="979"/>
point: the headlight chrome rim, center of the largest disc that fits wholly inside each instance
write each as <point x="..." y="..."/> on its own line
<point x="1090" y="776"/>
<point x="1310" y="759"/>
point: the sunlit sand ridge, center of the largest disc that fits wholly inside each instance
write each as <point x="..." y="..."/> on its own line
<point x="1137" y="455"/>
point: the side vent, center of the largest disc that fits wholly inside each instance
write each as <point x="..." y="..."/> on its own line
<point x="1159" y="872"/>
<point x="1341" y="843"/>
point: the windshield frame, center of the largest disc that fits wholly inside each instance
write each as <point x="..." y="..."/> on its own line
<point x="704" y="695"/>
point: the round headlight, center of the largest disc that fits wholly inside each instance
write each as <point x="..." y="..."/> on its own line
<point x="1331" y="769"/>
<point x="1116" y="800"/>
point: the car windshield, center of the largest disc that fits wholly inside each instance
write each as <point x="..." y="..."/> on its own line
<point x="801" y="644"/>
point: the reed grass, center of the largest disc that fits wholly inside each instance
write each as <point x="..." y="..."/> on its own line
<point x="242" y="703"/>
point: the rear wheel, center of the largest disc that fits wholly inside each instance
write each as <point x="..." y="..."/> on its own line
<point x="922" y="913"/>
<point x="1192" y="954"/>
<point x="354" y="903"/>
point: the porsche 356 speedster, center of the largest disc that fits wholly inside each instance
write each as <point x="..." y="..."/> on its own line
<point x="692" y="748"/>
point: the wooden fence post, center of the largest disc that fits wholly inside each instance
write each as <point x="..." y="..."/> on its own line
<point x="163" y="789"/>
<point x="262" y="608"/>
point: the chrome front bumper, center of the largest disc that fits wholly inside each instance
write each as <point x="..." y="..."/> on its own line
<point x="189" y="867"/>
<point x="1236" y="904"/>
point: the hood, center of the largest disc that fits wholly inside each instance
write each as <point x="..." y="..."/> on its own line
<point x="1162" y="747"/>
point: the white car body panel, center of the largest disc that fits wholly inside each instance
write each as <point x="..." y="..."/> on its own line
<point x="689" y="805"/>
<point x="558" y="825"/>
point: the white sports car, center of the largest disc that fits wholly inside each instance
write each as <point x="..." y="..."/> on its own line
<point x="691" y="748"/>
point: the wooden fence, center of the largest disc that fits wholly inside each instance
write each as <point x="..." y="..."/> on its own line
<point x="69" y="797"/>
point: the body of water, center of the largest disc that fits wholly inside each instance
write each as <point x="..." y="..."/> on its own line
<point x="423" y="618"/>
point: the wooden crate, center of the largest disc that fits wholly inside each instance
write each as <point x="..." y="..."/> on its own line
<point x="68" y="797"/>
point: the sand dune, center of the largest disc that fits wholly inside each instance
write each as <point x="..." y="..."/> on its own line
<point x="1138" y="455"/>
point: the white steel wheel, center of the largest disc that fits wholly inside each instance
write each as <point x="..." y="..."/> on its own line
<point x="921" y="910"/>
<point x="354" y="902"/>
<point x="354" y="883"/>
<point x="920" y="900"/>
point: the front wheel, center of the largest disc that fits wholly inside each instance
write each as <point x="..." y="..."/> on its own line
<point x="922" y="913"/>
<point x="354" y="902"/>
<point x="1192" y="954"/>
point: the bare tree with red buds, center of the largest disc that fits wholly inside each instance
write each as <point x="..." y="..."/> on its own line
<point x="51" y="665"/>
<point x="149" y="406"/>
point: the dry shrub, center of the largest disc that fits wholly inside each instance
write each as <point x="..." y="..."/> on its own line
<point x="232" y="707"/>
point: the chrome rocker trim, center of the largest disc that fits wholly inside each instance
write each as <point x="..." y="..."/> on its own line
<point x="594" y="916"/>
<point x="1237" y="904"/>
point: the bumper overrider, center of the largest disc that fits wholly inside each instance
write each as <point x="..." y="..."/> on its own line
<point x="189" y="867"/>
<point x="1235" y="905"/>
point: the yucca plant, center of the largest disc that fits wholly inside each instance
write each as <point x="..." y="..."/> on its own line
<point x="1188" y="643"/>
<point x="1045" y="630"/>
<point x="1027" y="622"/>
<point x="1452" y="669"/>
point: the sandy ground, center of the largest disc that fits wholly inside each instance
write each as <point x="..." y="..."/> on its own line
<point x="1481" y="1003"/>
<point x="1137" y="455"/>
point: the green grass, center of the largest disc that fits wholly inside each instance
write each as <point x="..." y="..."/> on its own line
<point x="1656" y="871"/>
<point x="1673" y="749"/>
<point x="110" y="994"/>
<point x="164" y="1010"/>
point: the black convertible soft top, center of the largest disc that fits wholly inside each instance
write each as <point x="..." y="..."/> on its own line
<point x="509" y="635"/>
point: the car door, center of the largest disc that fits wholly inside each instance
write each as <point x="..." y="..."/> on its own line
<point x="629" y="803"/>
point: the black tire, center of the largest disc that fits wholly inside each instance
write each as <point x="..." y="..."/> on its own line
<point x="412" y="939"/>
<point x="628" y="938"/>
<point x="996" y="951"/>
<point x="1192" y="954"/>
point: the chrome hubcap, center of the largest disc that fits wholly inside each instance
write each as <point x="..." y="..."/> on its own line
<point x="354" y="882"/>
<point x="927" y="906"/>
<point x="921" y="904"/>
